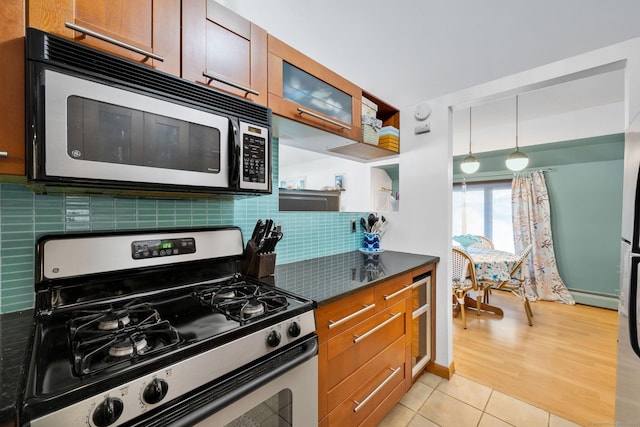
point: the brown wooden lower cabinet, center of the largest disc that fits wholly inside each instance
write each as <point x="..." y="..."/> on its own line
<point x="364" y="353"/>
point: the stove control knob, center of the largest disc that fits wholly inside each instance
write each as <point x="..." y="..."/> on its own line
<point x="107" y="412"/>
<point x="293" y="330"/>
<point x="155" y="391"/>
<point x="273" y="339"/>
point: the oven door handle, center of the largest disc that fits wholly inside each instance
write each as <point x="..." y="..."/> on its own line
<point x="194" y="415"/>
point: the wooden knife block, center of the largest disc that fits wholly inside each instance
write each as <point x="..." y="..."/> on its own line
<point x="257" y="264"/>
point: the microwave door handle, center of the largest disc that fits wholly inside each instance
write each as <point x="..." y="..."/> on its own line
<point x="234" y="154"/>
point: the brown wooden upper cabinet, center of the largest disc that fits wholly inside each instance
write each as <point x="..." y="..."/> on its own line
<point x="307" y="92"/>
<point x="146" y="31"/>
<point x="224" y="50"/>
<point x="12" y="88"/>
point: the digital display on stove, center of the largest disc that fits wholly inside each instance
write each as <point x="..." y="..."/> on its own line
<point x="143" y="249"/>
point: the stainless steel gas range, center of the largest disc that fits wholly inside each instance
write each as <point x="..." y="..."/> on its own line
<point x="157" y="328"/>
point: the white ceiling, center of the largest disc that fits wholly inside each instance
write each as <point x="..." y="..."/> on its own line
<point x="410" y="51"/>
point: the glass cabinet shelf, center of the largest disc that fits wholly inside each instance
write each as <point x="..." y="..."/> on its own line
<point x="304" y="89"/>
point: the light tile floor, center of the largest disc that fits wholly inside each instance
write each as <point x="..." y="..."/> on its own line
<point x="459" y="402"/>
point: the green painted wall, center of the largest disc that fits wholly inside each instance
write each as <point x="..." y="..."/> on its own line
<point x="585" y="191"/>
<point x="586" y="209"/>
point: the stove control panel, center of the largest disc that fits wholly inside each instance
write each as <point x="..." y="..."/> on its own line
<point x="143" y="249"/>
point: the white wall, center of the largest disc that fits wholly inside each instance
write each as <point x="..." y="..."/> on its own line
<point x="423" y="224"/>
<point x="585" y="123"/>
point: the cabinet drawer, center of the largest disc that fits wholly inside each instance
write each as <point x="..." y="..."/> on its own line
<point x="339" y="316"/>
<point x="354" y="347"/>
<point x="390" y="358"/>
<point x="366" y="398"/>
<point x="392" y="291"/>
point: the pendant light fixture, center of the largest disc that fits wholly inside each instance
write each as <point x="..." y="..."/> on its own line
<point x="470" y="164"/>
<point x="517" y="160"/>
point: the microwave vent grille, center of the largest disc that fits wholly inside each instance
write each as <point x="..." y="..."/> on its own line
<point x="67" y="54"/>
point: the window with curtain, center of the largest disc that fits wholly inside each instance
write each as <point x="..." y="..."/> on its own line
<point x="484" y="208"/>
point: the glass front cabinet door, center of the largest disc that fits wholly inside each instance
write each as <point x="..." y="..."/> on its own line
<point x="305" y="91"/>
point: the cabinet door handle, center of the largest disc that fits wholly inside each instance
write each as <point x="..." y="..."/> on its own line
<point x="396" y="293"/>
<point x="318" y="116"/>
<point x="358" y="338"/>
<point x="333" y="324"/>
<point x="212" y="76"/>
<point x="113" y="41"/>
<point x="359" y="405"/>
<point x="421" y="282"/>
<point x="4" y="154"/>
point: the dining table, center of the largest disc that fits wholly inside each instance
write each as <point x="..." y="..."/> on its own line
<point x="491" y="266"/>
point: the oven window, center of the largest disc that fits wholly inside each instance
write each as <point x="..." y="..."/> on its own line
<point x="103" y="132"/>
<point x="276" y="411"/>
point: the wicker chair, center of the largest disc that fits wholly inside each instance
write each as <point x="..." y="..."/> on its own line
<point x="483" y="243"/>
<point x="516" y="283"/>
<point x="463" y="280"/>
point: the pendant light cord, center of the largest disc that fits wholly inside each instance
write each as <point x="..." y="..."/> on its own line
<point x="517" y="148"/>
<point x="469" y="130"/>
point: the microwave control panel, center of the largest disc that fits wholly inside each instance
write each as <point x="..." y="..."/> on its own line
<point x="255" y="157"/>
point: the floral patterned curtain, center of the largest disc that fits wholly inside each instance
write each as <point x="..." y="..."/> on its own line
<point x="532" y="224"/>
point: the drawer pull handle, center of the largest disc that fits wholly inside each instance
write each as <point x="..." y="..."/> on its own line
<point x="365" y="308"/>
<point x="359" y="405"/>
<point x="396" y="293"/>
<point x="212" y="76"/>
<point x="113" y="41"/>
<point x="358" y="338"/>
<point x="318" y="116"/>
<point x="4" y="154"/>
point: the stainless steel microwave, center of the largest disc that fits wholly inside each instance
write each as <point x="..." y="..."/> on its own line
<point x="100" y="123"/>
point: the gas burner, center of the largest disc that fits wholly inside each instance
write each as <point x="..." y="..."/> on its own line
<point x="128" y="346"/>
<point x="114" y="320"/>
<point x="253" y="307"/>
<point x="241" y="301"/>
<point x="225" y="293"/>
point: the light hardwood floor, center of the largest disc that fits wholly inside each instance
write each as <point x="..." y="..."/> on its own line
<point x="565" y="363"/>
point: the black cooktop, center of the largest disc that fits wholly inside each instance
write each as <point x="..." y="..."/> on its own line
<point x="107" y="343"/>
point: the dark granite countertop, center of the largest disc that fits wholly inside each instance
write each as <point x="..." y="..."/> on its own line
<point x="329" y="278"/>
<point x="15" y="330"/>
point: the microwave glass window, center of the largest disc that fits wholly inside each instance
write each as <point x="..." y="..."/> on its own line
<point x="204" y="148"/>
<point x="103" y="132"/>
<point x="115" y="136"/>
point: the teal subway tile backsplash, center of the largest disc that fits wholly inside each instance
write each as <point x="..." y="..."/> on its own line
<point x="24" y="216"/>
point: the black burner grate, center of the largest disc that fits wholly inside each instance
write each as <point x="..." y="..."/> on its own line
<point x="243" y="302"/>
<point x="101" y="339"/>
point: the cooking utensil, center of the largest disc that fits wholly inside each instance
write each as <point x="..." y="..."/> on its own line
<point x="364" y="225"/>
<point x="372" y="220"/>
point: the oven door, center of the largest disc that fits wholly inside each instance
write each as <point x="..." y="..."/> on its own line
<point x="285" y="401"/>
<point x="279" y="390"/>
<point x="95" y="132"/>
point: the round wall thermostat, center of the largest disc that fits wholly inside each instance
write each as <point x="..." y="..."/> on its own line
<point x="422" y="111"/>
